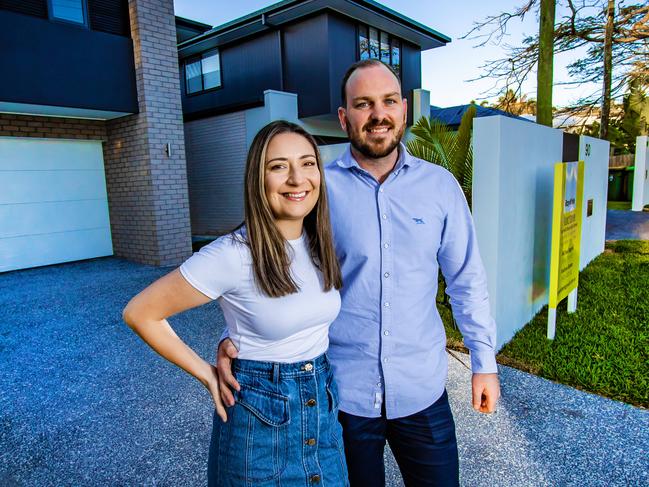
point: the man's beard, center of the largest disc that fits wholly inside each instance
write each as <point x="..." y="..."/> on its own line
<point x="365" y="147"/>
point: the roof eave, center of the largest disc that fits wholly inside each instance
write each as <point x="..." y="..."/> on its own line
<point x="192" y="23"/>
<point x="290" y="10"/>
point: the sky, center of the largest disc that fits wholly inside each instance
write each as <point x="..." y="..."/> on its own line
<point x="446" y="71"/>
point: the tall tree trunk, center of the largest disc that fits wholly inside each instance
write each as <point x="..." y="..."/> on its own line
<point x="608" y="71"/>
<point x="546" y="56"/>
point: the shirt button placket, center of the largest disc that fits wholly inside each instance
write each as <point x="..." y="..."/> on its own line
<point x="386" y="284"/>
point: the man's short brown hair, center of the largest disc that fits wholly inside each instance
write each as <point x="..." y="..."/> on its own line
<point x="365" y="63"/>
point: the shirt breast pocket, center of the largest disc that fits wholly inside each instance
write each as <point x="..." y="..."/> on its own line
<point x="417" y="240"/>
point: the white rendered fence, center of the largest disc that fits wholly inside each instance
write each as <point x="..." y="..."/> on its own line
<point x="641" y="174"/>
<point x="512" y="208"/>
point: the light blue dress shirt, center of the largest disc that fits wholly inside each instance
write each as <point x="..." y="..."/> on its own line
<point x="388" y="342"/>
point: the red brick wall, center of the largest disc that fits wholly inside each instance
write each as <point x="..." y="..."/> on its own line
<point x="44" y="127"/>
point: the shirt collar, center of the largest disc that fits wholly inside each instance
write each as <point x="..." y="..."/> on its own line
<point x="347" y="160"/>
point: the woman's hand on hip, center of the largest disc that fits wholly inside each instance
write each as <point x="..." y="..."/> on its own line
<point x="212" y="386"/>
<point x="224" y="355"/>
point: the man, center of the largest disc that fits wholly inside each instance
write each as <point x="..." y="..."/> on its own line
<point x="397" y="220"/>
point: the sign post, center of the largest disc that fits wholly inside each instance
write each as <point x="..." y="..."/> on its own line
<point x="566" y="238"/>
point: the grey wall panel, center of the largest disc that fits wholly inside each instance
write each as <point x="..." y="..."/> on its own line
<point x="216" y="155"/>
<point x="306" y="65"/>
<point x="342" y="54"/>
<point x="37" y="8"/>
<point x="410" y="73"/>
<point x="109" y="16"/>
<point x="59" y="64"/>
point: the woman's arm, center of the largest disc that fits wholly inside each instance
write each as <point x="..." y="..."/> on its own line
<point x="147" y="315"/>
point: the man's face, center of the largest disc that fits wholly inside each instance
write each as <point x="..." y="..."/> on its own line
<point x="375" y="115"/>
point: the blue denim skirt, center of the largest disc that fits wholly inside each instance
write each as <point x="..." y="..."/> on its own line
<point x="283" y="429"/>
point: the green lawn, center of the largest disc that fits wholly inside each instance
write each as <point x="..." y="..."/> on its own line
<point x="604" y="346"/>
<point x="618" y="205"/>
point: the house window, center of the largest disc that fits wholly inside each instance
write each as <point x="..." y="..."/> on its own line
<point x="385" y="48"/>
<point x="211" y="70"/>
<point x="363" y="42"/>
<point x="203" y="73"/>
<point x="376" y="44"/>
<point x="193" y="76"/>
<point x="395" y="54"/>
<point x="68" y="11"/>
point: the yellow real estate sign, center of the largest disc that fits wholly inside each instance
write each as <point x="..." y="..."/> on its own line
<point x="566" y="229"/>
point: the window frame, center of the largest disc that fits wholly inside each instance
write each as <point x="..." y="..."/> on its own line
<point x="392" y="42"/>
<point x="200" y="57"/>
<point x="84" y="9"/>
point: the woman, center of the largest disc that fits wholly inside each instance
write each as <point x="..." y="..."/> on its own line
<point x="276" y="279"/>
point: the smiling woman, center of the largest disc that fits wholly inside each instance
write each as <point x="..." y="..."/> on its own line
<point x="292" y="181"/>
<point x="283" y="162"/>
<point x="276" y="279"/>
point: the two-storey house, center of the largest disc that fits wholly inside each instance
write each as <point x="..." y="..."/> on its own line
<point x="117" y="118"/>
<point x="91" y="133"/>
<point x="285" y="61"/>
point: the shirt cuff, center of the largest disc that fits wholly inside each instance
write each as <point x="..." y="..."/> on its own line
<point x="483" y="362"/>
<point x="225" y="334"/>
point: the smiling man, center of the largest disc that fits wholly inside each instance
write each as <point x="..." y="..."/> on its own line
<point x="397" y="221"/>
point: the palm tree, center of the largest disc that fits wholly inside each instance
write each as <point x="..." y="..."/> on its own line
<point x="437" y="143"/>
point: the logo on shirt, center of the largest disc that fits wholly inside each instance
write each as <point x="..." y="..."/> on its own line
<point x="419" y="221"/>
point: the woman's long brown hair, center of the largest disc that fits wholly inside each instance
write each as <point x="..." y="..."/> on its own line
<point x="270" y="257"/>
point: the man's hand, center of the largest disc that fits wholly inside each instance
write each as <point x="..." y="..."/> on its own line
<point x="486" y="391"/>
<point x="224" y="355"/>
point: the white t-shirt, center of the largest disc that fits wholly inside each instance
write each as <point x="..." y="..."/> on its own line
<point x="291" y="328"/>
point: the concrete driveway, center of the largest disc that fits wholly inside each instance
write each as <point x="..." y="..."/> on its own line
<point x="84" y="402"/>
<point x="627" y="225"/>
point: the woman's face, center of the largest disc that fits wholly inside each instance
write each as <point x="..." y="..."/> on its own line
<point x="292" y="177"/>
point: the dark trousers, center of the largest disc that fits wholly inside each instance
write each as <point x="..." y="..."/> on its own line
<point x="423" y="444"/>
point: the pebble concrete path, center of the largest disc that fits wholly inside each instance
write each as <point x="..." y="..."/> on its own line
<point x="83" y="402"/>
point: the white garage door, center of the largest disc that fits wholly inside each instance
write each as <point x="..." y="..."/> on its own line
<point x="53" y="204"/>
